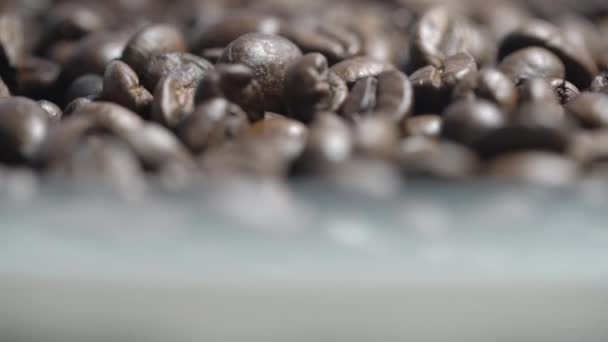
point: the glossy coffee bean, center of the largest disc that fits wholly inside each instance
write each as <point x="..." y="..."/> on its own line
<point x="533" y="62"/>
<point x="580" y="67"/>
<point x="433" y="86"/>
<point x="235" y="82"/>
<point x="23" y="129"/>
<point x="600" y="83"/>
<point x="564" y="90"/>
<point x="212" y="123"/>
<point x="121" y="85"/>
<point x="468" y="121"/>
<point x="161" y="65"/>
<point x="492" y="85"/>
<point x="152" y="41"/>
<point x="286" y="136"/>
<point x="354" y="69"/>
<point x="109" y="117"/>
<point x="174" y="97"/>
<point x="89" y="85"/>
<point x="591" y="109"/>
<point x="389" y="94"/>
<point x="426" y="125"/>
<point x="310" y="88"/>
<point x="541" y="168"/>
<point x="335" y="42"/>
<point x="426" y="157"/>
<point x="54" y="113"/>
<point x="269" y="57"/>
<point x="376" y="137"/>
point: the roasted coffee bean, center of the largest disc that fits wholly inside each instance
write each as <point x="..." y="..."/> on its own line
<point x="286" y="136"/>
<point x="53" y="112"/>
<point x="23" y="129"/>
<point x="212" y="124"/>
<point x="354" y="69"/>
<point x="579" y="65"/>
<point x="533" y="62"/>
<point x="490" y="84"/>
<point x="36" y="78"/>
<point x="426" y="125"/>
<point x="426" y="157"/>
<point x="335" y="42"/>
<point x="564" y="90"/>
<point x="376" y="137"/>
<point x="537" y="90"/>
<point x="269" y="57"/>
<point x="162" y="65"/>
<point x="121" y="85"/>
<point x="152" y="41"/>
<point x="310" y="88"/>
<point x="235" y="82"/>
<point x="588" y="147"/>
<point x="109" y="117"/>
<point x="433" y="86"/>
<point x="76" y="105"/>
<point x="591" y="109"/>
<point x="174" y="97"/>
<point x="90" y="86"/>
<point x="388" y="94"/>
<point x="468" y="121"/>
<point x="600" y="83"/>
<point x="542" y="168"/>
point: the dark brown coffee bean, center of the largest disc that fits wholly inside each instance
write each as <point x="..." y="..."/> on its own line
<point x="389" y="94"/>
<point x="109" y="117"/>
<point x="426" y="125"/>
<point x="269" y="57"/>
<point x="600" y="83"/>
<point x="580" y="67"/>
<point x="311" y="88"/>
<point x="591" y="109"/>
<point x="490" y="84"/>
<point x="235" y="82"/>
<point x="334" y="42"/>
<point x="89" y="86"/>
<point x="285" y="136"/>
<point x="541" y="168"/>
<point x="354" y="69"/>
<point x="426" y="157"/>
<point x="53" y="112"/>
<point x="537" y="90"/>
<point x="23" y="129"/>
<point x="76" y="105"/>
<point x="212" y="124"/>
<point x="564" y="90"/>
<point x="533" y="62"/>
<point x="152" y="41"/>
<point x="121" y="85"/>
<point x="468" y="121"/>
<point x="174" y="97"/>
<point x="433" y="86"/>
<point x="161" y="65"/>
<point x="376" y="137"/>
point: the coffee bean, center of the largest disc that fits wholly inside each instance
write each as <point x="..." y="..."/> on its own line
<point x="376" y="137"/>
<point x="161" y="65"/>
<point x="468" y="121"/>
<point x="564" y="90"/>
<point x="492" y="85"/>
<point x="212" y="124"/>
<point x="286" y="136"/>
<point x="537" y="90"/>
<point x="533" y="62"/>
<point x="121" y="85"/>
<point x="589" y="147"/>
<point x="542" y="168"/>
<point x="354" y="69"/>
<point x="591" y="109"/>
<point x="76" y="105"/>
<point x="23" y="129"/>
<point x="152" y="41"/>
<point x="426" y="125"/>
<point x="269" y="57"/>
<point x="53" y="112"/>
<point x="600" y="83"/>
<point x="579" y="65"/>
<point x="433" y="86"/>
<point x="36" y="78"/>
<point x="310" y="88"/>
<point x="334" y="42"/>
<point x="389" y="94"/>
<point x="89" y="85"/>
<point x="174" y="97"/>
<point x="109" y="117"/>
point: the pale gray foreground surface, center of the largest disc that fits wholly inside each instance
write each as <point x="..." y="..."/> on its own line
<point x="419" y="263"/>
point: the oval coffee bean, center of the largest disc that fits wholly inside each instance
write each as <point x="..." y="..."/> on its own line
<point x="490" y="84"/>
<point x="121" y="85"/>
<point x="376" y="137"/>
<point x="533" y="62"/>
<point x="54" y="113"/>
<point x="269" y="57"/>
<point x="23" y="129"/>
<point x="354" y="69"/>
<point x="286" y="136"/>
<point x="468" y="121"/>
<point x="591" y="109"/>
<point x="334" y="42"/>
<point x="89" y="85"/>
<point x="564" y="90"/>
<point x="541" y="168"/>
<point x="600" y="83"/>
<point x="162" y="65"/>
<point x="109" y="117"/>
<point x="537" y="90"/>
<point x="426" y="125"/>
<point x="174" y="97"/>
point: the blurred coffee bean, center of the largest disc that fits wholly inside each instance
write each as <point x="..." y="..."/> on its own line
<point x="579" y="65"/>
<point x="335" y="42"/>
<point x="109" y="117"/>
<point x="426" y="125"/>
<point x="89" y="85"/>
<point x="588" y="147"/>
<point x="4" y="91"/>
<point x="354" y="69"/>
<point x="541" y="168"/>
<point x="492" y="85"/>
<point x="76" y="105"/>
<point x="174" y="97"/>
<point x="269" y="57"/>
<point x="121" y="85"/>
<point x="533" y="62"/>
<point x="389" y="94"/>
<point x="212" y="124"/>
<point x="426" y="157"/>
<point x="433" y="85"/>
<point x="23" y="129"/>
<point x="600" y="83"/>
<point x="468" y="121"/>
<point x="235" y="82"/>
<point x="376" y="137"/>
<point x="564" y="90"/>
<point x="12" y="43"/>
<point x="537" y="90"/>
<point x="53" y="112"/>
<point x="152" y="41"/>
<point x="286" y="136"/>
<point x="36" y="78"/>
<point x="591" y="109"/>
<point x="162" y="65"/>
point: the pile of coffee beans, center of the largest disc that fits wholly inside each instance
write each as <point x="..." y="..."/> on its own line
<point x="192" y="91"/>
